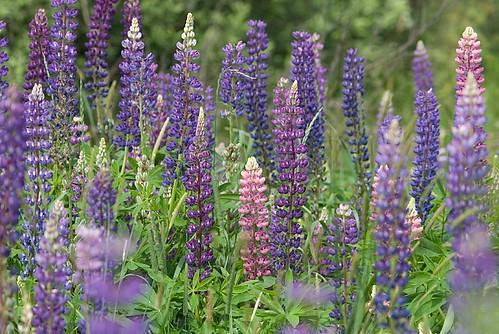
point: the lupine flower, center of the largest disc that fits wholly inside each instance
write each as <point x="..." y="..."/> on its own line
<point x="188" y="99"/>
<point x="61" y="61"/>
<point x="233" y="80"/>
<point x="209" y="108"/>
<point x="198" y="184"/>
<point x="38" y="159"/>
<point x="320" y="71"/>
<point x="78" y="131"/>
<point x="39" y="47"/>
<point x="292" y="169"/>
<point x="392" y="234"/>
<point x="426" y="151"/>
<point x="4" y="57"/>
<point x="79" y="180"/>
<point x="355" y="116"/>
<point x="164" y="104"/>
<point x="254" y="221"/>
<point x="96" y="51"/>
<point x="131" y="9"/>
<point x="256" y="93"/>
<point x="338" y="249"/>
<point x="303" y="72"/>
<point x="12" y="148"/>
<point x="421" y="69"/>
<point x="469" y="60"/>
<point x="101" y="159"/>
<point x="89" y="256"/>
<point x="51" y="274"/>
<point x="101" y="199"/>
<point x="137" y="95"/>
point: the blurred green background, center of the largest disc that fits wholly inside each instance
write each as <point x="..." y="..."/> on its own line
<point x="385" y="31"/>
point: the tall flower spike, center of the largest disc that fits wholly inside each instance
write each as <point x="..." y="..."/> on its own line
<point x="391" y="233"/>
<point x="469" y="60"/>
<point x="188" y="99"/>
<point x="209" y="108"/>
<point x="354" y="112"/>
<point x="292" y="169"/>
<point x="303" y="72"/>
<point x="101" y="199"/>
<point x="39" y="47"/>
<point x="198" y="184"/>
<point x="164" y="105"/>
<point x="4" y="57"/>
<point x="254" y="221"/>
<point x="421" y="69"/>
<point x="38" y="159"/>
<point x="131" y="9"/>
<point x="138" y="97"/>
<point x="256" y="93"/>
<point x="52" y="275"/>
<point x="79" y="181"/>
<point x="96" y="52"/>
<point x="426" y="151"/>
<point x="233" y="81"/>
<point x="62" y="69"/>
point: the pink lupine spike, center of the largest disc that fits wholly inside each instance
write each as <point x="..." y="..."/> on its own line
<point x="469" y="59"/>
<point x="254" y="221"/>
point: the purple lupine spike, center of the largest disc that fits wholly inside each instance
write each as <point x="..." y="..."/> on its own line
<point x="38" y="160"/>
<point x="292" y="169"/>
<point x="256" y="93"/>
<point x="101" y="199"/>
<point x="338" y="249"/>
<point x="198" y="184"/>
<point x="12" y="148"/>
<point x="392" y="233"/>
<point x="164" y="105"/>
<point x="469" y="60"/>
<point x="137" y="90"/>
<point x="131" y="9"/>
<point x="39" y="47"/>
<point x="354" y="112"/>
<point x="303" y="72"/>
<point x="79" y="181"/>
<point x="421" y="69"/>
<point x="209" y="108"/>
<point x="96" y="52"/>
<point x="188" y="99"/>
<point x="233" y="80"/>
<point x="79" y="131"/>
<point x="4" y="57"/>
<point x="254" y="221"/>
<point x="52" y="275"/>
<point x="62" y="87"/>
<point x="320" y="71"/>
<point x="426" y="151"/>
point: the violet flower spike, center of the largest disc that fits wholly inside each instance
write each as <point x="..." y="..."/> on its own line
<point x="256" y="93"/>
<point x="199" y="201"/>
<point x="426" y="152"/>
<point x="4" y="57"/>
<point x="101" y="199"/>
<point x="421" y="69"/>
<point x="254" y="221"/>
<point x="391" y="233"/>
<point x="209" y="108"/>
<point x="164" y="103"/>
<point x="131" y="9"/>
<point x="39" y="47"/>
<point x="233" y="79"/>
<point x="469" y="60"/>
<point x="292" y="169"/>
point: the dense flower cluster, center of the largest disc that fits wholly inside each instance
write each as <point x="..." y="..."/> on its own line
<point x="138" y="96"/>
<point x="355" y="116"/>
<point x="392" y="234"/>
<point x="233" y="80"/>
<point x="101" y="199"/>
<point x="187" y="101"/>
<point x="256" y="92"/>
<point x="198" y="183"/>
<point x="4" y="57"/>
<point x="39" y="47"/>
<point x="52" y="274"/>
<point x="254" y="221"/>
<point x="421" y="69"/>
<point x="96" y="51"/>
<point x="469" y="60"/>
<point x="292" y="169"/>
<point x="131" y="9"/>
<point x="426" y="151"/>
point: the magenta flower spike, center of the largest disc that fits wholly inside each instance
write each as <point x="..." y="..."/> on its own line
<point x="469" y="59"/>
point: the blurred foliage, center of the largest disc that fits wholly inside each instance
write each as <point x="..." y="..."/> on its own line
<point x="385" y="31"/>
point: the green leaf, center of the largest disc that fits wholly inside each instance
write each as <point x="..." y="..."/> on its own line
<point x="293" y="319"/>
<point x="448" y="322"/>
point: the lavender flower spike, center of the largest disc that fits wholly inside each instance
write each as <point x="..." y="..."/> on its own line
<point x="4" y="57"/>
<point x="421" y="69"/>
<point x="355" y="116"/>
<point x="198" y="184"/>
<point x="131" y="9"/>
<point x="96" y="52"/>
<point x="101" y="199"/>
<point x="292" y="164"/>
<point x="426" y="151"/>
<point x="39" y="47"/>
<point x="469" y="60"/>
<point x="256" y="94"/>
<point x="52" y="275"/>
<point x="232" y="79"/>
<point x="392" y="233"/>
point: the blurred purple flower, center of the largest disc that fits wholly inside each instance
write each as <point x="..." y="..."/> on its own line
<point x="421" y="69"/>
<point x="39" y="47"/>
<point x="4" y="57"/>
